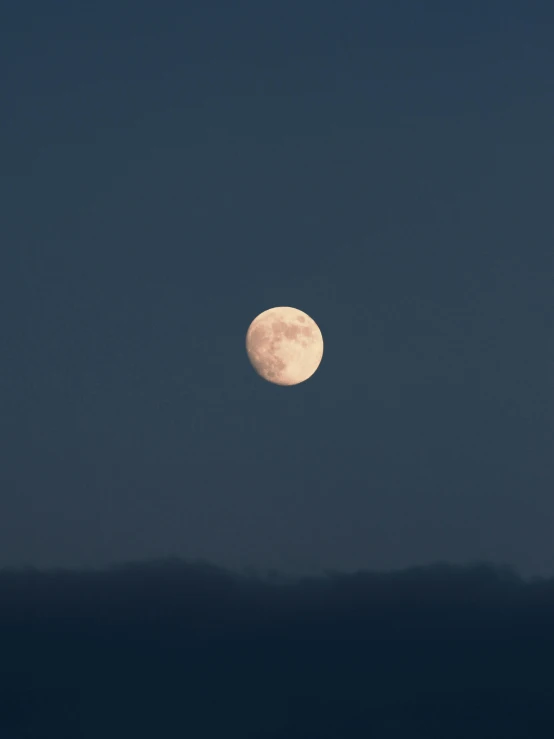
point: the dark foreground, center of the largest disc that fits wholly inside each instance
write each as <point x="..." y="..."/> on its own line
<point x="173" y="650"/>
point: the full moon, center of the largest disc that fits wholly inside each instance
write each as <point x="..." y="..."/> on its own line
<point x="284" y="345"/>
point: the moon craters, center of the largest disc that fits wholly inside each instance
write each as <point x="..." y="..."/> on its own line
<point x="284" y="345"/>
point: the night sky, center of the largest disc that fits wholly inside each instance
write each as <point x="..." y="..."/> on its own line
<point x="170" y="170"/>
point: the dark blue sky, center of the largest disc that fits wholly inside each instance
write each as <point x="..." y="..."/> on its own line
<point x="170" y="170"/>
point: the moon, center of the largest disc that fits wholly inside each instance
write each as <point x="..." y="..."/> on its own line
<point x="284" y="345"/>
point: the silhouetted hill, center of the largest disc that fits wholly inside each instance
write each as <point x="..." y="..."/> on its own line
<point x="173" y="649"/>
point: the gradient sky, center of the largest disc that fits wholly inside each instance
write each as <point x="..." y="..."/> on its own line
<point x="168" y="171"/>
